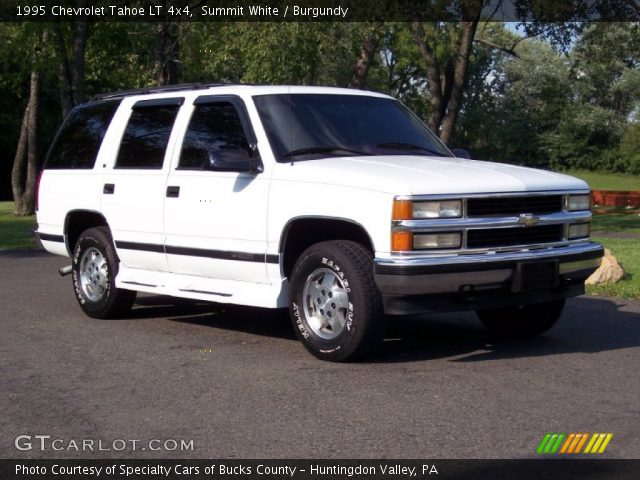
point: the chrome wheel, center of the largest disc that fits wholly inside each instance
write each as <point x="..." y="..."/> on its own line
<point x="93" y="274"/>
<point x="325" y="303"/>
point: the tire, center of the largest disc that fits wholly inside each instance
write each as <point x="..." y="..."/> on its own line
<point x="95" y="266"/>
<point x="522" y="321"/>
<point x="335" y="306"/>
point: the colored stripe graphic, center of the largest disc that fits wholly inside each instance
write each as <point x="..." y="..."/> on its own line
<point x="551" y="443"/>
<point x="557" y="444"/>
<point x="591" y="442"/>
<point x="598" y="443"/>
<point x="606" y="441"/>
<point x="565" y="447"/>
<point x="543" y="443"/>
<point x="581" y="442"/>
<point x="573" y="443"/>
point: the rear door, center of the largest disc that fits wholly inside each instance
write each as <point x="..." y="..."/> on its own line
<point x="133" y="192"/>
<point x="215" y="219"/>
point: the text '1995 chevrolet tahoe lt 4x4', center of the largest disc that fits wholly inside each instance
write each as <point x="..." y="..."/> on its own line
<point x="338" y="204"/>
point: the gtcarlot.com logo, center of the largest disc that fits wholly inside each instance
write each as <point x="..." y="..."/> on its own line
<point x="46" y="443"/>
<point x="574" y="443"/>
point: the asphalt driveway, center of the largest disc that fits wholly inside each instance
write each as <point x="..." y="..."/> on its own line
<point x="236" y="383"/>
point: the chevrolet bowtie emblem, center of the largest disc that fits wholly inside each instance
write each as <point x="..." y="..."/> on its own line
<point x="528" y="220"/>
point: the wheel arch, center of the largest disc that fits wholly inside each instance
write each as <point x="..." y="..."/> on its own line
<point x="77" y="221"/>
<point x="301" y="232"/>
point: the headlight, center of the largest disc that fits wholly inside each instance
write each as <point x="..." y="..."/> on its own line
<point x="437" y="209"/>
<point x="408" y="210"/>
<point x="436" y="240"/>
<point x="578" y="202"/>
<point x="579" y="230"/>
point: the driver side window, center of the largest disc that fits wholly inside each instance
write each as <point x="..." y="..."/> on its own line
<point x="215" y="133"/>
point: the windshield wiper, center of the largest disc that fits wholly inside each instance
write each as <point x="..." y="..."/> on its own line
<point x="409" y="146"/>
<point x="323" y="149"/>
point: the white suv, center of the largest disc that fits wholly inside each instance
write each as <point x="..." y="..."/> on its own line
<point x="339" y="204"/>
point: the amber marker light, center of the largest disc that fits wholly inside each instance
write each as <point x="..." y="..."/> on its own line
<point x="401" y="241"/>
<point x="402" y="210"/>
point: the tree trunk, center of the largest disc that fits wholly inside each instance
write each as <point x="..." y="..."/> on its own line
<point x="438" y="104"/>
<point x="361" y="70"/>
<point x="78" y="57"/>
<point x="23" y="183"/>
<point x="64" y="72"/>
<point x="17" y="173"/>
<point x="71" y="72"/>
<point x="460" y="65"/>
<point x="159" y="53"/>
<point x="446" y="89"/>
<point x="166" y="53"/>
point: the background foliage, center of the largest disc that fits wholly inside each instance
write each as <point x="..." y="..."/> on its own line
<point x="572" y="103"/>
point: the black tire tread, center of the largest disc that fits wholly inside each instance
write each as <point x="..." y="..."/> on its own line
<point x="120" y="300"/>
<point x="361" y="260"/>
<point x="371" y="310"/>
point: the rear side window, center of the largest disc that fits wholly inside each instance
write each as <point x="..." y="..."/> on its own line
<point x="77" y="144"/>
<point x="214" y="127"/>
<point x="147" y="134"/>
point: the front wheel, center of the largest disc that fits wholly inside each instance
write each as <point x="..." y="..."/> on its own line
<point x="95" y="266"/>
<point x="522" y="321"/>
<point x="336" y="308"/>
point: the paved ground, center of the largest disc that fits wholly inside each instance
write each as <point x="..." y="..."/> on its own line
<point x="237" y="383"/>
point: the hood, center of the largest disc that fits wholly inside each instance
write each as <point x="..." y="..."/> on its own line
<point x="417" y="175"/>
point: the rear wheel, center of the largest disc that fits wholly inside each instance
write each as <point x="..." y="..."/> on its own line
<point x="522" y="321"/>
<point x="95" y="266"/>
<point x="336" y="308"/>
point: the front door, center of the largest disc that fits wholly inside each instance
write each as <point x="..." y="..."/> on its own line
<point x="215" y="213"/>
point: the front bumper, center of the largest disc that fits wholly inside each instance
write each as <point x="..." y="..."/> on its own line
<point x="414" y="284"/>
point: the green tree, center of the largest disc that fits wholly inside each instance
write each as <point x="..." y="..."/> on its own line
<point x="605" y="83"/>
<point x="272" y="53"/>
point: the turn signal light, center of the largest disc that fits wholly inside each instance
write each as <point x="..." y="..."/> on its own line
<point x="401" y="241"/>
<point x="402" y="210"/>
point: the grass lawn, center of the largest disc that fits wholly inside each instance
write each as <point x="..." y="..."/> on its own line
<point x="627" y="251"/>
<point x="607" y="181"/>
<point x="15" y="232"/>
<point x="616" y="222"/>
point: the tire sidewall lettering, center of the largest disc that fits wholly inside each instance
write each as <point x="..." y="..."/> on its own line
<point x="295" y="310"/>
<point x="336" y="268"/>
<point x="322" y="345"/>
<point x="347" y="286"/>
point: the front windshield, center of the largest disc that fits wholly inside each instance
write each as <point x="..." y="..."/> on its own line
<point x="311" y="126"/>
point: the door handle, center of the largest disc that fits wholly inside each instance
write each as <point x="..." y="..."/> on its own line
<point x="173" y="192"/>
<point x="109" y="188"/>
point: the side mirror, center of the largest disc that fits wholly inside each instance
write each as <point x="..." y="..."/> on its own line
<point x="234" y="160"/>
<point x="461" y="153"/>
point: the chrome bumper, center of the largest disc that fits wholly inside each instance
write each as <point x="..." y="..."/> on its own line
<point x="472" y="273"/>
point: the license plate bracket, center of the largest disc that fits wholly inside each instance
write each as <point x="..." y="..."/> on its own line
<point x="536" y="275"/>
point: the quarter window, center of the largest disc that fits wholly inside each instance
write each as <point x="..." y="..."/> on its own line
<point x="79" y="140"/>
<point x="146" y="137"/>
<point x="215" y="129"/>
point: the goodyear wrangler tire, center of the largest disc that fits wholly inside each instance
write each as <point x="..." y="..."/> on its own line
<point x="95" y="266"/>
<point x="335" y="306"/>
<point x="523" y="321"/>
